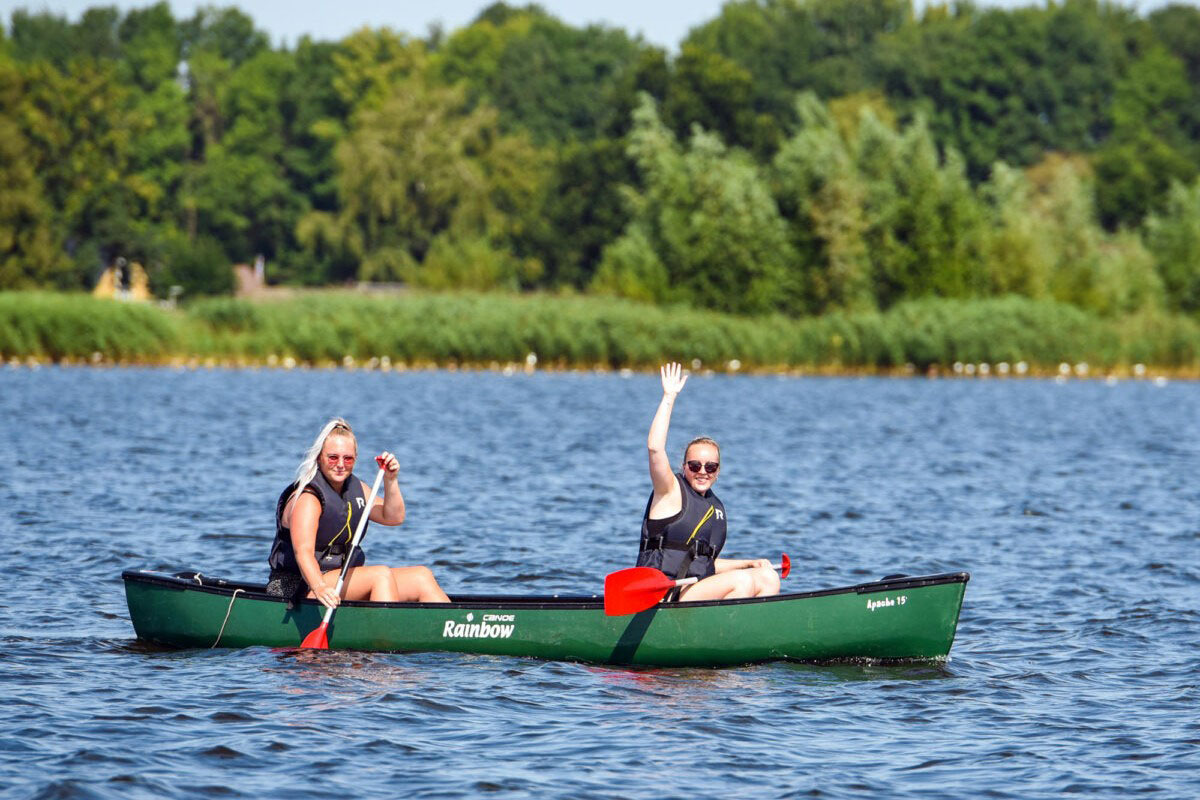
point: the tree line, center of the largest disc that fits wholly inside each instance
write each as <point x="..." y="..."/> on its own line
<point x="794" y="156"/>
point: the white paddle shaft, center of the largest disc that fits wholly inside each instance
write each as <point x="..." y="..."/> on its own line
<point x="358" y="532"/>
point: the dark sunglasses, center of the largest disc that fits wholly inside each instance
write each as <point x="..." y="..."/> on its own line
<point x="708" y="466"/>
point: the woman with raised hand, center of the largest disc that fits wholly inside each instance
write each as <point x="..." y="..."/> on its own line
<point x="315" y="520"/>
<point x="683" y="527"/>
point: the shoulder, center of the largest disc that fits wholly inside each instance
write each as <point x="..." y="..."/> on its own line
<point x="677" y="484"/>
<point x="289" y="496"/>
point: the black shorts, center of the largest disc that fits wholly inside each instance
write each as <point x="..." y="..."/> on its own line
<point x="290" y="585"/>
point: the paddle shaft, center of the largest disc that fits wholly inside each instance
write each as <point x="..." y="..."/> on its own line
<point x="358" y="532"/>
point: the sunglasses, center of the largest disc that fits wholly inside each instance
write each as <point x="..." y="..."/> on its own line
<point x="333" y="458"/>
<point x="708" y="466"/>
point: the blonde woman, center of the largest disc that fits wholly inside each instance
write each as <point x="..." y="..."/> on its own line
<point x="315" y="520"/>
<point x="683" y="527"/>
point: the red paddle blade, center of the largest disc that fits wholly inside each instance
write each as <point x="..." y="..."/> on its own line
<point x="786" y="564"/>
<point x="629" y="591"/>
<point x="317" y="640"/>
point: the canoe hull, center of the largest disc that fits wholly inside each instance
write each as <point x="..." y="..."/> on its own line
<point x="899" y="619"/>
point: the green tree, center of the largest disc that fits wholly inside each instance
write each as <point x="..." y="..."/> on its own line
<point x="716" y="93"/>
<point x="236" y="188"/>
<point x="924" y="219"/>
<point x="240" y="192"/>
<point x="151" y="47"/>
<point x="370" y="63"/>
<point x="824" y="46"/>
<point x="705" y="230"/>
<point x="588" y="210"/>
<point x="557" y="82"/>
<point x="822" y="195"/>
<point x="228" y="32"/>
<point x="81" y="126"/>
<point x="1173" y="236"/>
<point x="424" y="180"/>
<point x="43" y="36"/>
<point x="1148" y="147"/>
<point x="314" y="116"/>
<point x="1177" y="27"/>
<point x="1110" y="274"/>
<point x="30" y="253"/>
<point x="197" y="265"/>
<point x="103" y="118"/>
<point x="1008" y="85"/>
<point x="1016" y="251"/>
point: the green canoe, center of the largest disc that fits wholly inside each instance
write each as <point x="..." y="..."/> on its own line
<point x="890" y="619"/>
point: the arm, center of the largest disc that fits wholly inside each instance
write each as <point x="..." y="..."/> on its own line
<point x="661" y="474"/>
<point x="301" y="517"/>
<point x="390" y="509"/>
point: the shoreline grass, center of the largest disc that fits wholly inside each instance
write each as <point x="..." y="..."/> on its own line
<point x="467" y="330"/>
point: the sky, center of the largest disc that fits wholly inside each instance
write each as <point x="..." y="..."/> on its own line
<point x="661" y="22"/>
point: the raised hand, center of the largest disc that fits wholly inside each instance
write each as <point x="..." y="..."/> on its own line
<point x="673" y="378"/>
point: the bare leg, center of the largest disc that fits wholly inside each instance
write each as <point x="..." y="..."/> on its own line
<point x="766" y="581"/>
<point x="737" y="583"/>
<point x="417" y="585"/>
<point x="365" y="583"/>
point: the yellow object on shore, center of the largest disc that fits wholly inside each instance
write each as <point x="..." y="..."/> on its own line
<point x="118" y="283"/>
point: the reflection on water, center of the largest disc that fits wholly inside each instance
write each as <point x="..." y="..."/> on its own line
<point x="344" y="674"/>
<point x="1073" y="506"/>
<point x="847" y="673"/>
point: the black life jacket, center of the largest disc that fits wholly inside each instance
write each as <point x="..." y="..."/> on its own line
<point x="688" y="543"/>
<point x="340" y="513"/>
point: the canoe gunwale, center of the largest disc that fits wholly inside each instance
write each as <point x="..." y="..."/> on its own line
<point x="190" y="580"/>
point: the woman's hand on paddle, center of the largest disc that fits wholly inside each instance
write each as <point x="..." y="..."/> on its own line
<point x="389" y="464"/>
<point x="673" y="378"/>
<point x="328" y="597"/>
<point x="389" y="509"/>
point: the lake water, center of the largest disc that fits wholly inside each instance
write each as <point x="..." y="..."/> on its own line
<point x="1076" y="508"/>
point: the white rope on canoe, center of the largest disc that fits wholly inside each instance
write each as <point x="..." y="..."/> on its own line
<point x="227" y="611"/>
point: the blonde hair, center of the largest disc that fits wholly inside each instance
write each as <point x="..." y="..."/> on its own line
<point x="702" y="440"/>
<point x="308" y="466"/>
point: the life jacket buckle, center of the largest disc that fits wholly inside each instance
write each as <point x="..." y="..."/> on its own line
<point x="654" y="543"/>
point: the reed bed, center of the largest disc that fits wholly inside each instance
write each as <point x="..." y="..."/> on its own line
<point x="579" y="331"/>
<point x="60" y="327"/>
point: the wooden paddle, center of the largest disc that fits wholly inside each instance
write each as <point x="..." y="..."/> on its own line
<point x="628" y="591"/>
<point x="319" y="638"/>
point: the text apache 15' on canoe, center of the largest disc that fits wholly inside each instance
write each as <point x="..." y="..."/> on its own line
<point x="885" y="602"/>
